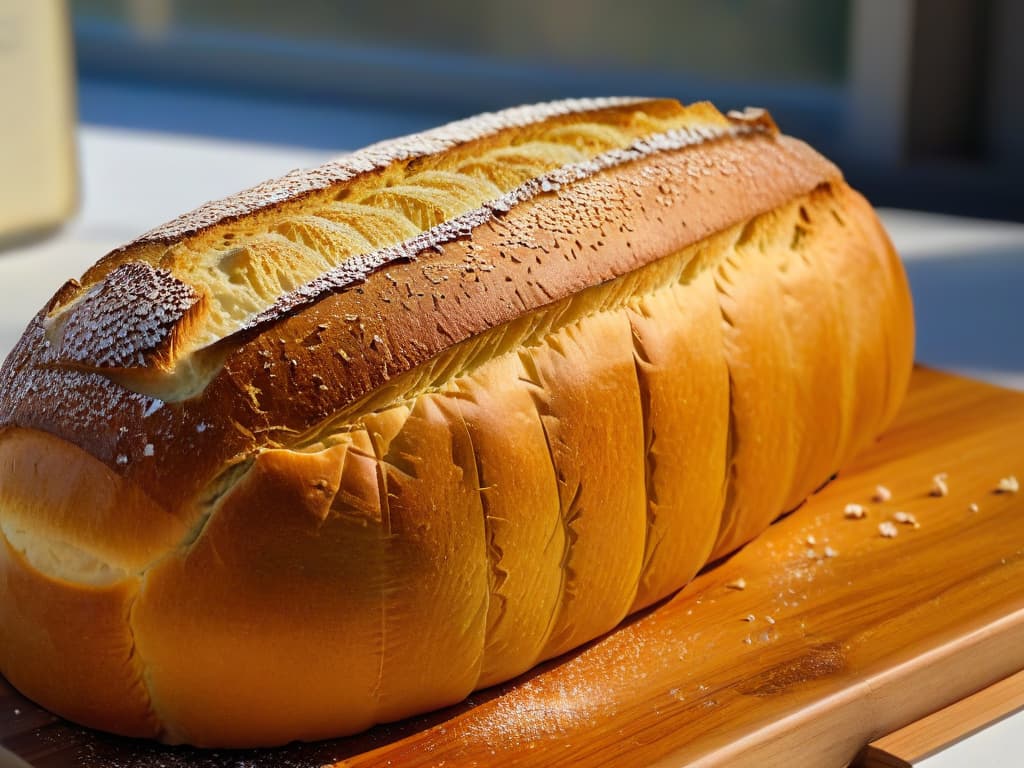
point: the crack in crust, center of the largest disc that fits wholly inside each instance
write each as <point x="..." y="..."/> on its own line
<point x="196" y="370"/>
<point x="135" y="658"/>
<point x="296" y="257"/>
<point x="356" y="270"/>
<point x="641" y="362"/>
<point x="373" y="158"/>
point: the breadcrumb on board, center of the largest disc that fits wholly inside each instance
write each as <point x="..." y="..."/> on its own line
<point x="855" y="512"/>
<point x="887" y="530"/>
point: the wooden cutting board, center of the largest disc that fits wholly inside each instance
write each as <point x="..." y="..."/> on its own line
<point x="838" y="651"/>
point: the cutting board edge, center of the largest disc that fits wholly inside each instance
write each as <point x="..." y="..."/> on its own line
<point x="883" y="702"/>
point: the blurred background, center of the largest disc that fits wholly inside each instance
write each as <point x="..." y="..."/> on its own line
<point x="919" y="101"/>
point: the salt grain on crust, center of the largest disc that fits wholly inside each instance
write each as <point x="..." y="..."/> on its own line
<point x="882" y="494"/>
<point x="939" y="485"/>
<point x="887" y="530"/>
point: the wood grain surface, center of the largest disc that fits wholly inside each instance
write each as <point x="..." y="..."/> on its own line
<point x="816" y="656"/>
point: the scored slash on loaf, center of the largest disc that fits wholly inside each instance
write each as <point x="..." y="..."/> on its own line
<point x="374" y="435"/>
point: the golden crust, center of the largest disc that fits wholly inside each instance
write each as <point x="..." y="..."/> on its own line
<point x="70" y="647"/>
<point x="47" y="482"/>
<point x="680" y="361"/>
<point x="525" y="537"/>
<point x="584" y="367"/>
<point x="432" y="478"/>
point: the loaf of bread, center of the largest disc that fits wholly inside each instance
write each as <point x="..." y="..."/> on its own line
<point x="358" y="441"/>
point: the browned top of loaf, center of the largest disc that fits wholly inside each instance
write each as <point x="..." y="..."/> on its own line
<point x="301" y="366"/>
<point x="374" y="157"/>
<point x="302" y="182"/>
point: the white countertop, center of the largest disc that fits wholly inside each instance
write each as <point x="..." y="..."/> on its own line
<point x="967" y="276"/>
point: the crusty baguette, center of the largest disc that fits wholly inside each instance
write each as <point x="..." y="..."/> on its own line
<point x="349" y="445"/>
